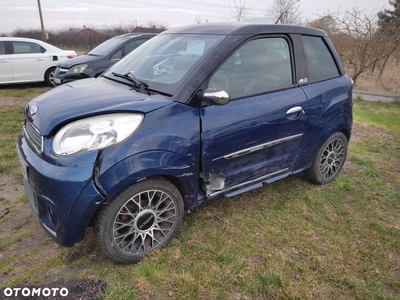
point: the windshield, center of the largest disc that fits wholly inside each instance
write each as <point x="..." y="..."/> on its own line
<point x="105" y="47"/>
<point x="166" y="60"/>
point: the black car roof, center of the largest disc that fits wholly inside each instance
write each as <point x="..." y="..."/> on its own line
<point x="239" y="28"/>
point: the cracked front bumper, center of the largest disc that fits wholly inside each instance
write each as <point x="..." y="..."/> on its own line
<point x="63" y="197"/>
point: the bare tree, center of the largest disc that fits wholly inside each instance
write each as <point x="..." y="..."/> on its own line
<point x="326" y="23"/>
<point x="156" y="24"/>
<point x="358" y="40"/>
<point x="240" y="9"/>
<point x="284" y="11"/>
<point x="128" y="26"/>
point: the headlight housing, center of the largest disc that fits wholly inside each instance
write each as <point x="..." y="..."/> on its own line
<point x="78" y="69"/>
<point x="95" y="133"/>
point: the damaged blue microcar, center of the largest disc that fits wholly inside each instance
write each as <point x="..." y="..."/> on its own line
<point x="196" y="113"/>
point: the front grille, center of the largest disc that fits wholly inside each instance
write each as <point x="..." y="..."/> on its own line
<point x="33" y="137"/>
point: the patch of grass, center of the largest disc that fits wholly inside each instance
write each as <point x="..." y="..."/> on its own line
<point x="6" y="264"/>
<point x="10" y="126"/>
<point x="24" y="90"/>
<point x="377" y="113"/>
<point x="118" y="290"/>
<point x="288" y="240"/>
<point x="5" y="244"/>
<point x="56" y="260"/>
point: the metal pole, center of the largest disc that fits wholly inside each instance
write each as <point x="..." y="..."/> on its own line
<point x="41" y="22"/>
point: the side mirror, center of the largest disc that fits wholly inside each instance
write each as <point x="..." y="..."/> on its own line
<point x="215" y="96"/>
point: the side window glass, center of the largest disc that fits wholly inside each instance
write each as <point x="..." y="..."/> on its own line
<point x="320" y="63"/>
<point x="27" y="47"/>
<point x="2" y="48"/>
<point x="117" y="55"/>
<point x="128" y="48"/>
<point x="259" y="66"/>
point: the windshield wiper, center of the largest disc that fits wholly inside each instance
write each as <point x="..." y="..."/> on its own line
<point x="140" y="85"/>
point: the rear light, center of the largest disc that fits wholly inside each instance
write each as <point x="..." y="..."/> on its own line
<point x="70" y="56"/>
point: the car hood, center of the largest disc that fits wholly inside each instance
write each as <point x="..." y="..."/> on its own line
<point x="81" y="59"/>
<point x="87" y="97"/>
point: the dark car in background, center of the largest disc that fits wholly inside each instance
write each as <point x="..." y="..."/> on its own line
<point x="195" y="114"/>
<point x="96" y="61"/>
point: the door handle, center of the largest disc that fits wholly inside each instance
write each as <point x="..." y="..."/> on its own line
<point x="3" y="61"/>
<point x="295" y="110"/>
<point x="294" y="113"/>
<point x="39" y="59"/>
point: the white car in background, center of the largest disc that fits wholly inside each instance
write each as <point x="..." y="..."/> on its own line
<point x="24" y="60"/>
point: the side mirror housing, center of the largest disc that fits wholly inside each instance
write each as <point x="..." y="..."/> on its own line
<point x="215" y="96"/>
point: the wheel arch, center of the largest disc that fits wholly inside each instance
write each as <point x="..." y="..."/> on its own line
<point x="342" y="123"/>
<point x="150" y="164"/>
<point x="346" y="133"/>
<point x="182" y="188"/>
<point x="178" y="183"/>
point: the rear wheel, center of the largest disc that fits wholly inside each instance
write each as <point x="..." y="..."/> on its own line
<point x="49" y="77"/>
<point x="329" y="160"/>
<point x="145" y="216"/>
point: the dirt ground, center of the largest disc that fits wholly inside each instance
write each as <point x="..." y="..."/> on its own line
<point x="16" y="215"/>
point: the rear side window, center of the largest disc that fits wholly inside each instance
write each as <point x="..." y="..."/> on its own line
<point x="320" y="63"/>
<point x="27" y="48"/>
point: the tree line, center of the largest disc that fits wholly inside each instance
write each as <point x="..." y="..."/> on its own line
<point x="364" y="42"/>
<point x="88" y="37"/>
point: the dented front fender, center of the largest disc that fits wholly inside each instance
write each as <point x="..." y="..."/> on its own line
<point x="149" y="164"/>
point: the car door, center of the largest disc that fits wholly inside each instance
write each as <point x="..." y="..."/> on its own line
<point x="28" y="61"/>
<point x="327" y="92"/>
<point x="256" y="136"/>
<point x="5" y="65"/>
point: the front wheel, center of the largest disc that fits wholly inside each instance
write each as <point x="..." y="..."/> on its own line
<point x="145" y="216"/>
<point x="329" y="160"/>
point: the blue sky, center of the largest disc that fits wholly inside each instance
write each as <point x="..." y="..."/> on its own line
<point x="173" y="13"/>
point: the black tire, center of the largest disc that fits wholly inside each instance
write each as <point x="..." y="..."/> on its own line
<point x="329" y="160"/>
<point x="49" y="77"/>
<point x="145" y="216"/>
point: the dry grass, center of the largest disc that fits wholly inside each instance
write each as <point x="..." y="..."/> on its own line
<point x="287" y="240"/>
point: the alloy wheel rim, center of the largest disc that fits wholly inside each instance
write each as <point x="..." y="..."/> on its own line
<point x="144" y="221"/>
<point x="51" y="78"/>
<point x="332" y="158"/>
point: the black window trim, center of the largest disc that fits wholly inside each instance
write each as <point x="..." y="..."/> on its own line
<point x="287" y="38"/>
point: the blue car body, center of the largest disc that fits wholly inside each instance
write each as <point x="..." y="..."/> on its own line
<point x="206" y="151"/>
